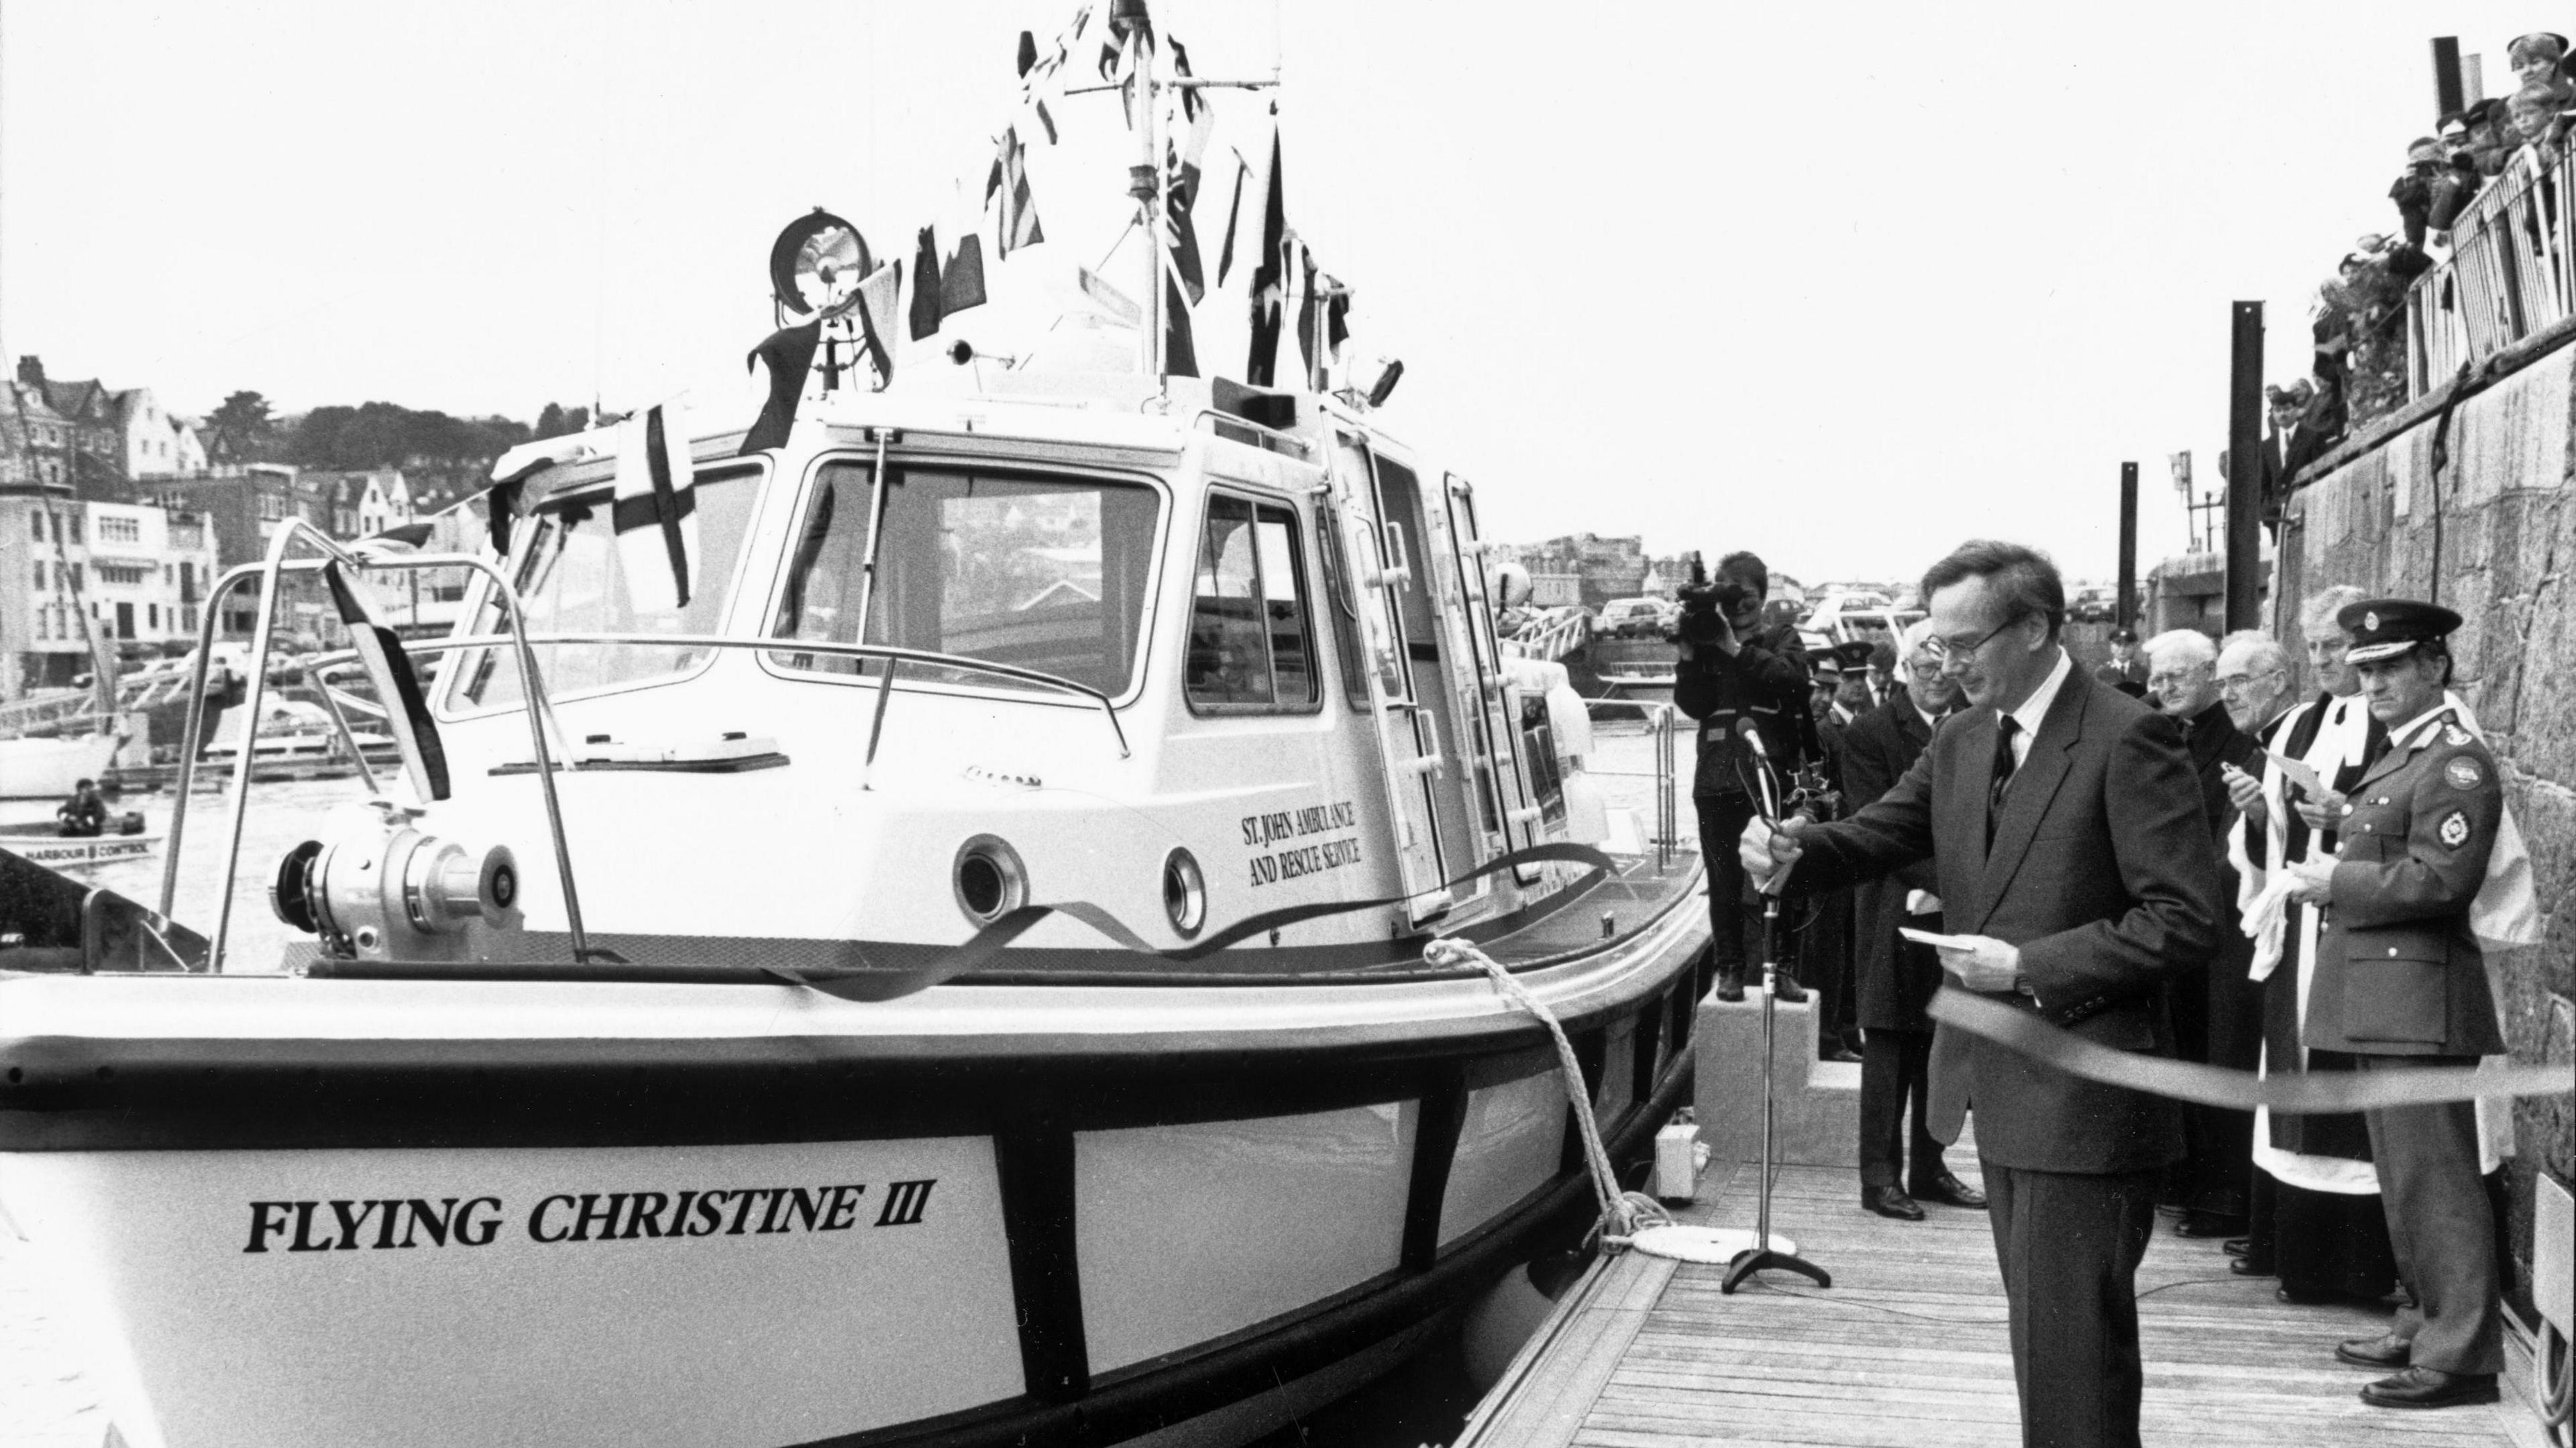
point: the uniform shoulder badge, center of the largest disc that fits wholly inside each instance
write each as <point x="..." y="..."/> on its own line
<point x="2455" y="828"/>
<point x="2463" y="772"/>
<point x="2456" y="737"/>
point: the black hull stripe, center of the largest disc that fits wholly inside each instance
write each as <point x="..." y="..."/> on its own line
<point x="1203" y="1382"/>
<point x="87" y="1095"/>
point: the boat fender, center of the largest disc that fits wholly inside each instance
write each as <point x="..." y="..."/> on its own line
<point x="1570" y="719"/>
<point x="1587" y="809"/>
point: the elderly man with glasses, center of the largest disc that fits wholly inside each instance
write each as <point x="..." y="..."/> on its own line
<point x="2254" y="682"/>
<point x="2217" y="1011"/>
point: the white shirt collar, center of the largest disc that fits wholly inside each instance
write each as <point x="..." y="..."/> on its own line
<point x="2407" y="737"/>
<point x="1843" y="715"/>
<point x="2035" y="708"/>
<point x="1930" y="721"/>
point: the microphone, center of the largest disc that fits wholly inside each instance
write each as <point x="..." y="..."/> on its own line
<point x="1750" y="733"/>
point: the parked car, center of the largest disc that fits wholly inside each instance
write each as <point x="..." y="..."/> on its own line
<point x="1872" y="624"/>
<point x="2092" y="605"/>
<point x="1631" y="618"/>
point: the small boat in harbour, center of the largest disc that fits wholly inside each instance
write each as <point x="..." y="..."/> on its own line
<point x="45" y="844"/>
<point x="1086" y="1052"/>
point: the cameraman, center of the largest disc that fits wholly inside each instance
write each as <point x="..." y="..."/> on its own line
<point x="1730" y="669"/>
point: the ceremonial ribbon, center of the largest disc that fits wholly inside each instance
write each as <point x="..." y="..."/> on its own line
<point x="2300" y="1093"/>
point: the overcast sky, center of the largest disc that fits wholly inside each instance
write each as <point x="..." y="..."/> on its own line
<point x="1842" y="284"/>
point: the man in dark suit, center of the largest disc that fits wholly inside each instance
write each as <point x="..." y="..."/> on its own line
<point x="1825" y="936"/>
<point x="2217" y="1009"/>
<point x="1895" y="976"/>
<point x="2402" y="983"/>
<point x="2068" y="839"/>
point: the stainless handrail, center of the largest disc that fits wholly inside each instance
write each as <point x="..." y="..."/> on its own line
<point x="270" y="572"/>
<point x="801" y="646"/>
<point x="1659" y="719"/>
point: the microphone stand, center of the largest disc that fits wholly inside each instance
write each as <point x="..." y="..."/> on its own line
<point x="1760" y="1255"/>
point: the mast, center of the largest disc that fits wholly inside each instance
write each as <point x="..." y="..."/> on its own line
<point x="1145" y="181"/>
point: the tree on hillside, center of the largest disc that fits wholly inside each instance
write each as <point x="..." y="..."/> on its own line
<point x="558" y="420"/>
<point x="242" y="424"/>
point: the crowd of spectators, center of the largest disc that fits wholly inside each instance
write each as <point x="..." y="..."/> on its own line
<point x="2358" y="369"/>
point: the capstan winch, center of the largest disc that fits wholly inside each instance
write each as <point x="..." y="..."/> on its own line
<point x="378" y="888"/>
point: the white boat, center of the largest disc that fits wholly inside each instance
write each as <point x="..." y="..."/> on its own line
<point x="49" y="768"/>
<point x="44" y="844"/>
<point x="292" y="731"/>
<point x="961" y="979"/>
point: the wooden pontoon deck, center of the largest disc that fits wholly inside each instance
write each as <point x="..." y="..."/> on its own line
<point x="1908" y="1347"/>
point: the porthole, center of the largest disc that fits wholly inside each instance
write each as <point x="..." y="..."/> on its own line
<point x="1184" y="893"/>
<point x="989" y="880"/>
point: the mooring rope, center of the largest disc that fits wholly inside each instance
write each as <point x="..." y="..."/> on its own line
<point x="1623" y="1214"/>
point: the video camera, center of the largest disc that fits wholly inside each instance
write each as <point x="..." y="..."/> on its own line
<point x="1706" y="606"/>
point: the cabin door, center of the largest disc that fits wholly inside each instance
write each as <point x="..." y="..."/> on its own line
<point x="1409" y="738"/>
<point x="1510" y="818"/>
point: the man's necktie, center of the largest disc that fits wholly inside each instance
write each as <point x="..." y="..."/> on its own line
<point x="2005" y="728"/>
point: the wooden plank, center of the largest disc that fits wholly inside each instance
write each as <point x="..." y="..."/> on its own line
<point x="1910" y="1346"/>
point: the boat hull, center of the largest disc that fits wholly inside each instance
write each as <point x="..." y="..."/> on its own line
<point x="49" y="768"/>
<point x="914" y="1234"/>
<point x="72" y="852"/>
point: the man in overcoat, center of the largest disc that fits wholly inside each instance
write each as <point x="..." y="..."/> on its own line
<point x="1896" y="977"/>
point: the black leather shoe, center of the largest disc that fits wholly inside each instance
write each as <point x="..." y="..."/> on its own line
<point x="1890" y="1202"/>
<point x="1842" y="1054"/>
<point x="1730" y="985"/>
<point x="2208" y="1224"/>
<point x="2387" y="1350"/>
<point x="2430" y="1388"/>
<point x="2250" y="1266"/>
<point x="2237" y="1246"/>
<point x="1786" y="987"/>
<point x="1949" y="1191"/>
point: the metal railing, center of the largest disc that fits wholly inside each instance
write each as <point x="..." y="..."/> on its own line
<point x="65" y="707"/>
<point x="1551" y="636"/>
<point x="1659" y="726"/>
<point x="271" y="575"/>
<point x="545" y="736"/>
<point x="2512" y="273"/>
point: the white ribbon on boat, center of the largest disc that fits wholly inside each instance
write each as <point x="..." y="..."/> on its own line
<point x="986" y="944"/>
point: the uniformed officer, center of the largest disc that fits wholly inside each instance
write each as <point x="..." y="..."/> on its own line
<point x="2400" y="983"/>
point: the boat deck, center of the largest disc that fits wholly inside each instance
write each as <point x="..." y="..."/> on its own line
<point x="1909" y="1347"/>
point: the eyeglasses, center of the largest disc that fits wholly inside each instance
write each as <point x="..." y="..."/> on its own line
<point x="2245" y="681"/>
<point x="2172" y="681"/>
<point x="1960" y="650"/>
<point x="1928" y="669"/>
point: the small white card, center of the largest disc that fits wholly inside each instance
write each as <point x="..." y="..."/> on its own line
<point x="2301" y="775"/>
<point x="1926" y="937"/>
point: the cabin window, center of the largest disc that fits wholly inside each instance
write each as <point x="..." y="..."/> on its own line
<point x="1344" y="613"/>
<point x="571" y="576"/>
<point x="1538" y="749"/>
<point x="1251" y="644"/>
<point x="1041" y="572"/>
